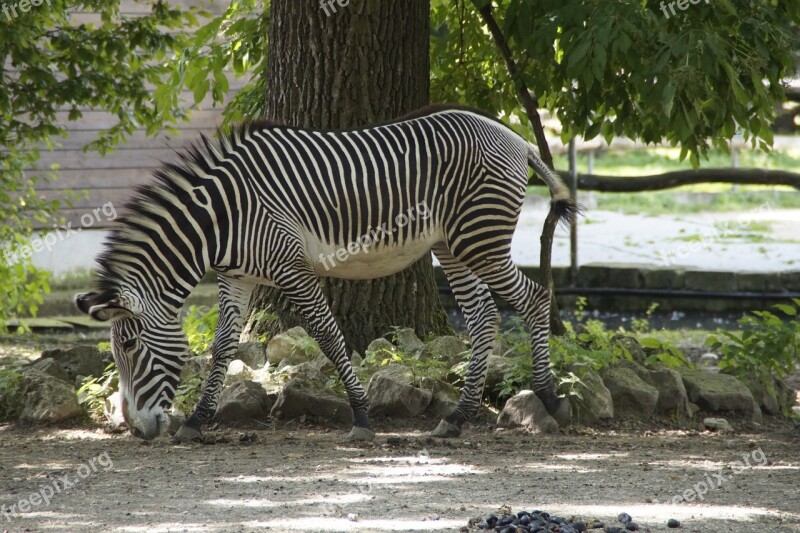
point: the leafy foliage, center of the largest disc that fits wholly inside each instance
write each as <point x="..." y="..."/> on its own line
<point x="623" y="68"/>
<point x="53" y="68"/>
<point x="767" y="346"/>
<point x="93" y="391"/>
<point x="10" y="391"/>
<point x="188" y="393"/>
<point x="199" y="324"/>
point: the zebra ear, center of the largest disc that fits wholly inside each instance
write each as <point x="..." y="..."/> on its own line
<point x="103" y="306"/>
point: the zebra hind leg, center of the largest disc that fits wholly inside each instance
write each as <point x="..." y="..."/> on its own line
<point x="302" y="288"/>
<point x="532" y="302"/>
<point x="480" y="313"/>
<point x="234" y="296"/>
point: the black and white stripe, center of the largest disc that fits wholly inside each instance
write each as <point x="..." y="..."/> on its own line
<point x="267" y="203"/>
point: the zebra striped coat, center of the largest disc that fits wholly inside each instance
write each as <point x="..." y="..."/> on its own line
<point x="277" y="205"/>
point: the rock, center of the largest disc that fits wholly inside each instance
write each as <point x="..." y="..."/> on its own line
<point x="596" y="403"/>
<point x="253" y="354"/>
<point x="632" y="397"/>
<point x="380" y="346"/>
<point x="672" y="397"/>
<point x="498" y="366"/>
<point x="444" y="399"/>
<point x="527" y="411"/>
<point x="766" y="399"/>
<point x="355" y="359"/>
<point x="243" y="402"/>
<point x="293" y="346"/>
<point x="195" y="366"/>
<point x="238" y="371"/>
<point x="708" y="360"/>
<point x="47" y="399"/>
<point x="719" y="393"/>
<point x="408" y="342"/>
<point x="717" y="424"/>
<point x="634" y="348"/>
<point x="673" y="523"/>
<point x="80" y="361"/>
<point x="449" y="349"/>
<point x="309" y="397"/>
<point x="307" y="372"/>
<point x="391" y="393"/>
<point x="51" y="367"/>
<point x="112" y="410"/>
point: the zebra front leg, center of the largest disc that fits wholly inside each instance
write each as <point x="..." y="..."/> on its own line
<point x="480" y="313"/>
<point x="234" y="297"/>
<point x="302" y="288"/>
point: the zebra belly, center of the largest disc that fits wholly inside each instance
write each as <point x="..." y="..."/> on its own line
<point x="356" y="261"/>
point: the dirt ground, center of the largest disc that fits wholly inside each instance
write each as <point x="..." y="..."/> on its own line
<point x="290" y="477"/>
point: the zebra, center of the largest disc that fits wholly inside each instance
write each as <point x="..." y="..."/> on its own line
<point x="267" y="203"/>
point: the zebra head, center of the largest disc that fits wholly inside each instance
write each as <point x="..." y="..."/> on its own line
<point x="149" y="349"/>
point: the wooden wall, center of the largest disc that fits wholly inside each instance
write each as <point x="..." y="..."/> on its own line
<point x="100" y="179"/>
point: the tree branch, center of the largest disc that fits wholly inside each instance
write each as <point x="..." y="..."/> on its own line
<point x="532" y="110"/>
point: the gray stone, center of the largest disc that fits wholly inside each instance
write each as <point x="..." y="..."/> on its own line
<point x="766" y="399"/>
<point x="391" y="394"/>
<point x="408" y="342"/>
<point x="243" y="402"/>
<point x="47" y="399"/>
<point x="672" y="397"/>
<point x="708" y="360"/>
<point x="719" y="393"/>
<point x="633" y="347"/>
<point x="195" y="366"/>
<point x="449" y="349"/>
<point x="596" y="403"/>
<point x="238" y="371"/>
<point x="253" y="354"/>
<point x="293" y="346"/>
<point x="444" y="397"/>
<point x="80" y="361"/>
<point x="309" y="372"/>
<point x="309" y="397"/>
<point x="717" y="424"/>
<point x="380" y="346"/>
<point x="52" y="368"/>
<point x="632" y="396"/>
<point x="498" y="367"/>
<point x="525" y="410"/>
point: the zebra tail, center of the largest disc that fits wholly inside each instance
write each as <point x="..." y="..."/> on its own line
<point x="562" y="203"/>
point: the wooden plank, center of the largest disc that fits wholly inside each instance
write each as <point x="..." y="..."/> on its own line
<point x="95" y="120"/>
<point x="76" y="140"/>
<point x="77" y="160"/>
<point x="122" y="178"/>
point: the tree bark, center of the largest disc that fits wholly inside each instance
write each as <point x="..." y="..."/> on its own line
<point x="331" y="67"/>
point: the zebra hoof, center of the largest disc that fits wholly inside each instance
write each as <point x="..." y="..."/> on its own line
<point x="187" y="434"/>
<point x="446" y="430"/>
<point x="563" y="413"/>
<point x="359" y="434"/>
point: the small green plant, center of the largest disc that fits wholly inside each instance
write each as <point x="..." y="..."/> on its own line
<point x="664" y="352"/>
<point x="257" y="323"/>
<point x="10" y="391"/>
<point x="641" y="325"/>
<point x="767" y="346"/>
<point x="93" y="391"/>
<point x="188" y="393"/>
<point x="199" y="325"/>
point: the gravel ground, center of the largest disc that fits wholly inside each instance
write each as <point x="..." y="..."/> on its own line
<point x="303" y="478"/>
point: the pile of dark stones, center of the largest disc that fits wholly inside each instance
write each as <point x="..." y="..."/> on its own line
<point x="543" y="522"/>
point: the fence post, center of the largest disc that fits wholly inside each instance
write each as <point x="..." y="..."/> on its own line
<point x="573" y="227"/>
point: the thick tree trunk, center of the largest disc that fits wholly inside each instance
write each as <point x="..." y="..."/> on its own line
<point x="333" y="66"/>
